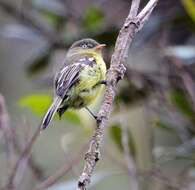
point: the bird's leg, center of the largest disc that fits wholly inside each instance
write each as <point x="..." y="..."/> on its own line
<point x="95" y="117"/>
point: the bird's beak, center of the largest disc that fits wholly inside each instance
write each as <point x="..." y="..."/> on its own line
<point x="100" y="46"/>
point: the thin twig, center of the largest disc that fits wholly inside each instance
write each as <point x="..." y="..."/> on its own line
<point x="22" y="158"/>
<point x="144" y="15"/>
<point x="129" y="160"/>
<point x="12" y="144"/>
<point x="186" y="77"/>
<point x="134" y="8"/>
<point x="8" y="132"/>
<point x="157" y="174"/>
<point x="32" y="164"/>
<point x="115" y="73"/>
<point x="65" y="168"/>
<point x="146" y="11"/>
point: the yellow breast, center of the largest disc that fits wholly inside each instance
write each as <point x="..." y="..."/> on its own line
<point x="87" y="88"/>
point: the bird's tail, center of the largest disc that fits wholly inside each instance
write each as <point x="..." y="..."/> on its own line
<point x="50" y="113"/>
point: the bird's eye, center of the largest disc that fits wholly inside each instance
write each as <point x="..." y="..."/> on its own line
<point x="84" y="46"/>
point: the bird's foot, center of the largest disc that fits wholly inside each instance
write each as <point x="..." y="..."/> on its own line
<point x="103" y="82"/>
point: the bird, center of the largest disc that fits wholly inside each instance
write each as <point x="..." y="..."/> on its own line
<point x="79" y="81"/>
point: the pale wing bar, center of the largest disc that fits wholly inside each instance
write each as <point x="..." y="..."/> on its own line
<point x="66" y="78"/>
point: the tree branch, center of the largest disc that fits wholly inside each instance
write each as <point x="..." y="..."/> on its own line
<point x="144" y="15"/>
<point x="7" y="131"/>
<point x="187" y="79"/>
<point x="66" y="167"/>
<point x="22" y="158"/>
<point x="131" y="26"/>
<point x="134" y="9"/>
<point x="129" y="160"/>
<point x="12" y="145"/>
<point x="147" y="10"/>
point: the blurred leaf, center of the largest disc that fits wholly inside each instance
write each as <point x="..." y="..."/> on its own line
<point x="72" y="116"/>
<point x="180" y="100"/>
<point x="93" y="18"/>
<point x="38" y="62"/>
<point x="39" y="103"/>
<point x="51" y="18"/>
<point x="115" y="132"/>
<point x="116" y="135"/>
<point x="189" y="6"/>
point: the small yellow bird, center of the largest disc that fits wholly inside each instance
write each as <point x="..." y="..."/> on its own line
<point x="80" y="80"/>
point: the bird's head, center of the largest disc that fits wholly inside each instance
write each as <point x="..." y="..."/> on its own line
<point x="86" y="46"/>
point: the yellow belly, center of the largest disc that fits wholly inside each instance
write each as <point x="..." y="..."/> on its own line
<point x="90" y="96"/>
<point x="87" y="88"/>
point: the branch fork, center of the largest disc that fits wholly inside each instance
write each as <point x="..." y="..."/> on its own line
<point x="135" y="21"/>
